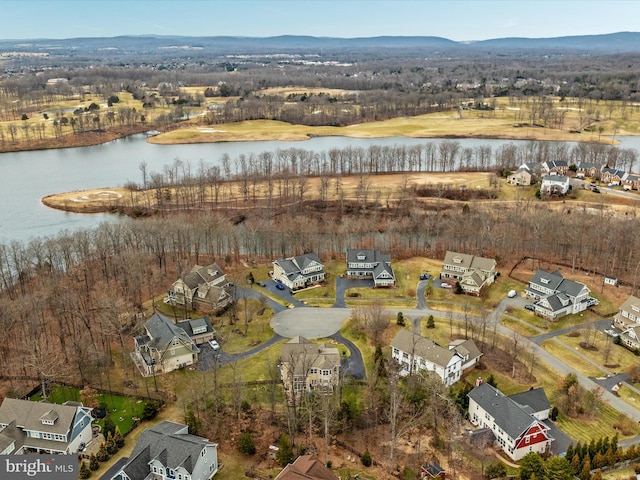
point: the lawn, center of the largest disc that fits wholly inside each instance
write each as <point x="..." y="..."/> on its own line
<point x="520" y="327"/>
<point x="584" y="430"/>
<point x="122" y="410"/>
<point x="567" y="355"/>
<point x="619" y="357"/>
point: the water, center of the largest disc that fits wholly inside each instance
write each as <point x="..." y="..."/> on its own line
<point x="26" y="177"/>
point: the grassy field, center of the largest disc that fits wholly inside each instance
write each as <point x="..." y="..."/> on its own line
<point x="567" y="355"/>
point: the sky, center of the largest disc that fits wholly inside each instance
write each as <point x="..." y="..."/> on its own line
<point x="459" y="20"/>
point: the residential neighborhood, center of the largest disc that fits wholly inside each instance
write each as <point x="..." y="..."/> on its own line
<point x="371" y="264"/>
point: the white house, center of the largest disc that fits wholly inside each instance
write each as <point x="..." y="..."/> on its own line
<point x="414" y="352"/>
<point x="41" y="427"/>
<point x="168" y="452"/>
<point x="515" y="421"/>
<point x="371" y="264"/>
<point x="299" y="271"/>
<point x="556" y="296"/>
<point x="555" y="184"/>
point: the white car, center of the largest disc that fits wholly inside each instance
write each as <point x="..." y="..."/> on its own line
<point x="512" y="294"/>
<point x="215" y="345"/>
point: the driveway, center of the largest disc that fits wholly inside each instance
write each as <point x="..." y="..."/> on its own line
<point x="208" y="358"/>
<point x="561" y="439"/>
<point x="353" y="365"/>
<point x="344" y="283"/>
<point x="270" y="286"/>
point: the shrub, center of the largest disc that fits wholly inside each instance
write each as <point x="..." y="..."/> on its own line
<point x="366" y="459"/>
<point x="150" y="410"/>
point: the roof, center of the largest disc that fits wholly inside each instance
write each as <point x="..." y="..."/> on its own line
<point x="546" y="279"/>
<point x="170" y="444"/>
<point x="306" y="467"/>
<point x="508" y="414"/>
<point x="162" y="331"/>
<point x="371" y="256"/>
<point x="534" y="398"/>
<point x="555" y="178"/>
<point x="199" y="275"/>
<point x="629" y="303"/>
<point x="469" y="261"/>
<point x="28" y="415"/>
<point x="419" y="346"/>
<point x="433" y="469"/>
<point x="189" y="325"/>
<point x="466" y="347"/>
<point x="303" y="354"/>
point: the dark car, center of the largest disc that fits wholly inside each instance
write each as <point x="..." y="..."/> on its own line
<point x="530" y="308"/>
<point x="279" y="286"/>
<point x="425" y="276"/>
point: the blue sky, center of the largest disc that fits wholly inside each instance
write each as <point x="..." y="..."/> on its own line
<point x="454" y="19"/>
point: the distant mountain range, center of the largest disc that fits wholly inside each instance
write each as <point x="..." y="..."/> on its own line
<point x="614" y="42"/>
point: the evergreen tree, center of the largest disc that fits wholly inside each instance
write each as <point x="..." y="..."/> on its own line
<point x="109" y="426"/>
<point x="246" y="445"/>
<point x="285" y="452"/>
<point x="431" y="322"/>
<point x="576" y="464"/>
<point x="84" y="470"/>
<point x="400" y="319"/>
<point x="118" y="438"/>
<point x="93" y="462"/>
<point x="570" y="452"/>
<point x="192" y="422"/>
<point x="609" y="458"/>
<point x="366" y="459"/>
<point x="597" y="475"/>
<point x="585" y="472"/>
<point x="630" y="454"/>
<point x="111" y="445"/>
<point x="102" y="454"/>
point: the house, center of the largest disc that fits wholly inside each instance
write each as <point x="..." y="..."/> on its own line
<point x="523" y="176"/>
<point x="557" y="167"/>
<point x="555" y="296"/>
<point x="371" y="264"/>
<point x="472" y="272"/>
<point x="299" y="271"/>
<point x="515" y="421"/>
<point x="42" y="427"/>
<point x="612" y="175"/>
<point x="306" y="467"/>
<point x="589" y="169"/>
<point x="555" y="184"/>
<point x="414" y="352"/>
<point x="165" y="347"/>
<point x="200" y="330"/>
<point x="168" y="451"/>
<point x="306" y="366"/>
<point x="432" y="470"/>
<point x="628" y="320"/>
<point x="203" y="287"/>
<point x="631" y="182"/>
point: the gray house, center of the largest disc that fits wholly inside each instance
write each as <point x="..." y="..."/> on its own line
<point x="168" y="451"/>
<point x="371" y="264"/>
<point x="556" y="296"/>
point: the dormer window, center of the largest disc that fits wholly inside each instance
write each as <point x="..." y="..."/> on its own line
<point x="457" y="260"/>
<point x="361" y="256"/>
<point x="49" y="418"/>
<point x="544" y="280"/>
<point x="635" y="308"/>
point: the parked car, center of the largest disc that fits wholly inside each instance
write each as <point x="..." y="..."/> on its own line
<point x="530" y="307"/>
<point x="279" y="286"/>
<point x="215" y="345"/>
<point x="512" y="294"/>
<point x="612" y="333"/>
<point x="445" y="285"/>
<point x="425" y="276"/>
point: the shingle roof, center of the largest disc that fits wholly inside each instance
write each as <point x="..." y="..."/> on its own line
<point x="28" y="415"/>
<point x="302" y="354"/>
<point x="416" y="345"/>
<point x="189" y="325"/>
<point x="553" y="279"/>
<point x="169" y="443"/>
<point x="306" y="467"/>
<point x="629" y="303"/>
<point x="535" y="398"/>
<point x="162" y="331"/>
<point x="507" y="413"/>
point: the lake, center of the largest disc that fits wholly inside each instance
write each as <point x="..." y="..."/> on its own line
<point x="26" y="177"/>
